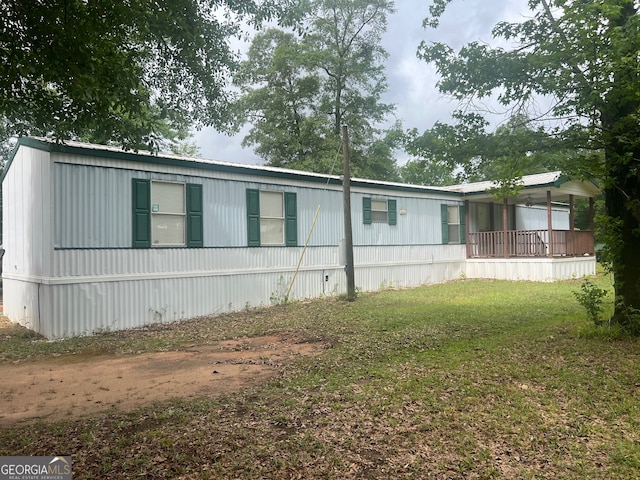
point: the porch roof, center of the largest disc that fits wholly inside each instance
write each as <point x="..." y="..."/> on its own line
<point x="535" y="188"/>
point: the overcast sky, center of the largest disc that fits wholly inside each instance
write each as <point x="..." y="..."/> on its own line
<point x="412" y="82"/>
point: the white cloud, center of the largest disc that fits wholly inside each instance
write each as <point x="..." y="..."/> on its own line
<point x="218" y="146"/>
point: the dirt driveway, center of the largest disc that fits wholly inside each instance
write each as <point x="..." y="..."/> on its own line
<point x="70" y="386"/>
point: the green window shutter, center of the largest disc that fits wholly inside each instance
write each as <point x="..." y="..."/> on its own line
<point x="392" y="213"/>
<point x="366" y="210"/>
<point x="194" y="216"/>
<point x="463" y="228"/>
<point x="444" y="213"/>
<point x="141" y="213"/>
<point x="253" y="217"/>
<point x="290" y="219"/>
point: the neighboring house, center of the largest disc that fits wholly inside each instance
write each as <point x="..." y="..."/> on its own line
<point x="97" y="238"/>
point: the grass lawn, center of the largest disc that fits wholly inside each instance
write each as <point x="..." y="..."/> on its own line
<point x="470" y="379"/>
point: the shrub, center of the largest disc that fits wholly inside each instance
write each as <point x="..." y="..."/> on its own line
<point x="590" y="297"/>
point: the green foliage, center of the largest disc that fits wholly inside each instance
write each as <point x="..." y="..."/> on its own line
<point x="514" y="149"/>
<point x="608" y="231"/>
<point x="7" y="144"/>
<point x="424" y="169"/>
<point x="628" y="317"/>
<point x="580" y="56"/>
<point x="427" y="172"/>
<point x="120" y="72"/>
<point x="299" y="86"/>
<point x="590" y="297"/>
<point x="186" y="147"/>
<point x="581" y="209"/>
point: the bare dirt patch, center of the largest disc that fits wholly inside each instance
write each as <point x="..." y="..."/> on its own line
<point x="70" y="386"/>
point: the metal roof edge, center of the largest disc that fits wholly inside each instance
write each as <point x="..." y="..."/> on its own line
<point x="103" y="151"/>
<point x="116" y="153"/>
<point x="557" y="183"/>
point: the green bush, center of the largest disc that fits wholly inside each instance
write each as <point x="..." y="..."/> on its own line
<point x="590" y="297"/>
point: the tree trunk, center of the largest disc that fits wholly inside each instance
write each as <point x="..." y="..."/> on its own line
<point x="622" y="194"/>
<point x="624" y="247"/>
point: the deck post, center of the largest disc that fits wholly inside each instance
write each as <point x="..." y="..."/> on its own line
<point x="505" y="228"/>
<point x="466" y="228"/>
<point x="572" y="217"/>
<point x="550" y="225"/>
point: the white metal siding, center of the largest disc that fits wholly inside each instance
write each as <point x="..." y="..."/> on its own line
<point x="112" y="265"/>
<point x="92" y="207"/>
<point x="535" y="218"/>
<point x="27" y="215"/>
<point x="27" y="240"/>
<point x="93" y="210"/>
<point x="419" y="224"/>
<point x="185" y="262"/>
<point x="22" y="302"/>
<point x="113" y="289"/>
<point x="86" y="308"/>
<point x="527" y="218"/>
<point x="539" y="269"/>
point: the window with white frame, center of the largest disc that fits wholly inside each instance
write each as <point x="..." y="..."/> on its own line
<point x="379" y="211"/>
<point x="271" y="218"/>
<point x="453" y="221"/>
<point x="168" y="214"/>
<point x="453" y="224"/>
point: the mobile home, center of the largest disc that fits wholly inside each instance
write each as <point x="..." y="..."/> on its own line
<point x="97" y="238"/>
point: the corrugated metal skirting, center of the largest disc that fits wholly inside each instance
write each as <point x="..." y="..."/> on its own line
<point x="87" y="302"/>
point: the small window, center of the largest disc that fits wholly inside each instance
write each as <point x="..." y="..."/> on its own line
<point x="379" y="211"/>
<point x="453" y="224"/>
<point x="168" y="214"/>
<point x="453" y="220"/>
<point x="271" y="218"/>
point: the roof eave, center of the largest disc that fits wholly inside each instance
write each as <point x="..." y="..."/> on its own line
<point x="193" y="163"/>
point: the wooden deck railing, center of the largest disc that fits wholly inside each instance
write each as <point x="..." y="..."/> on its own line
<point x="530" y="243"/>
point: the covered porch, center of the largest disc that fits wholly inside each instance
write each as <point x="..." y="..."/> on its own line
<point x="531" y="236"/>
<point x="530" y="243"/>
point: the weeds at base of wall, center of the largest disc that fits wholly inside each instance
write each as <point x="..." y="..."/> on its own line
<point x="279" y="296"/>
<point x="344" y="296"/>
<point x="384" y="285"/>
<point x="99" y="331"/>
<point x="158" y="315"/>
<point x="109" y="328"/>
